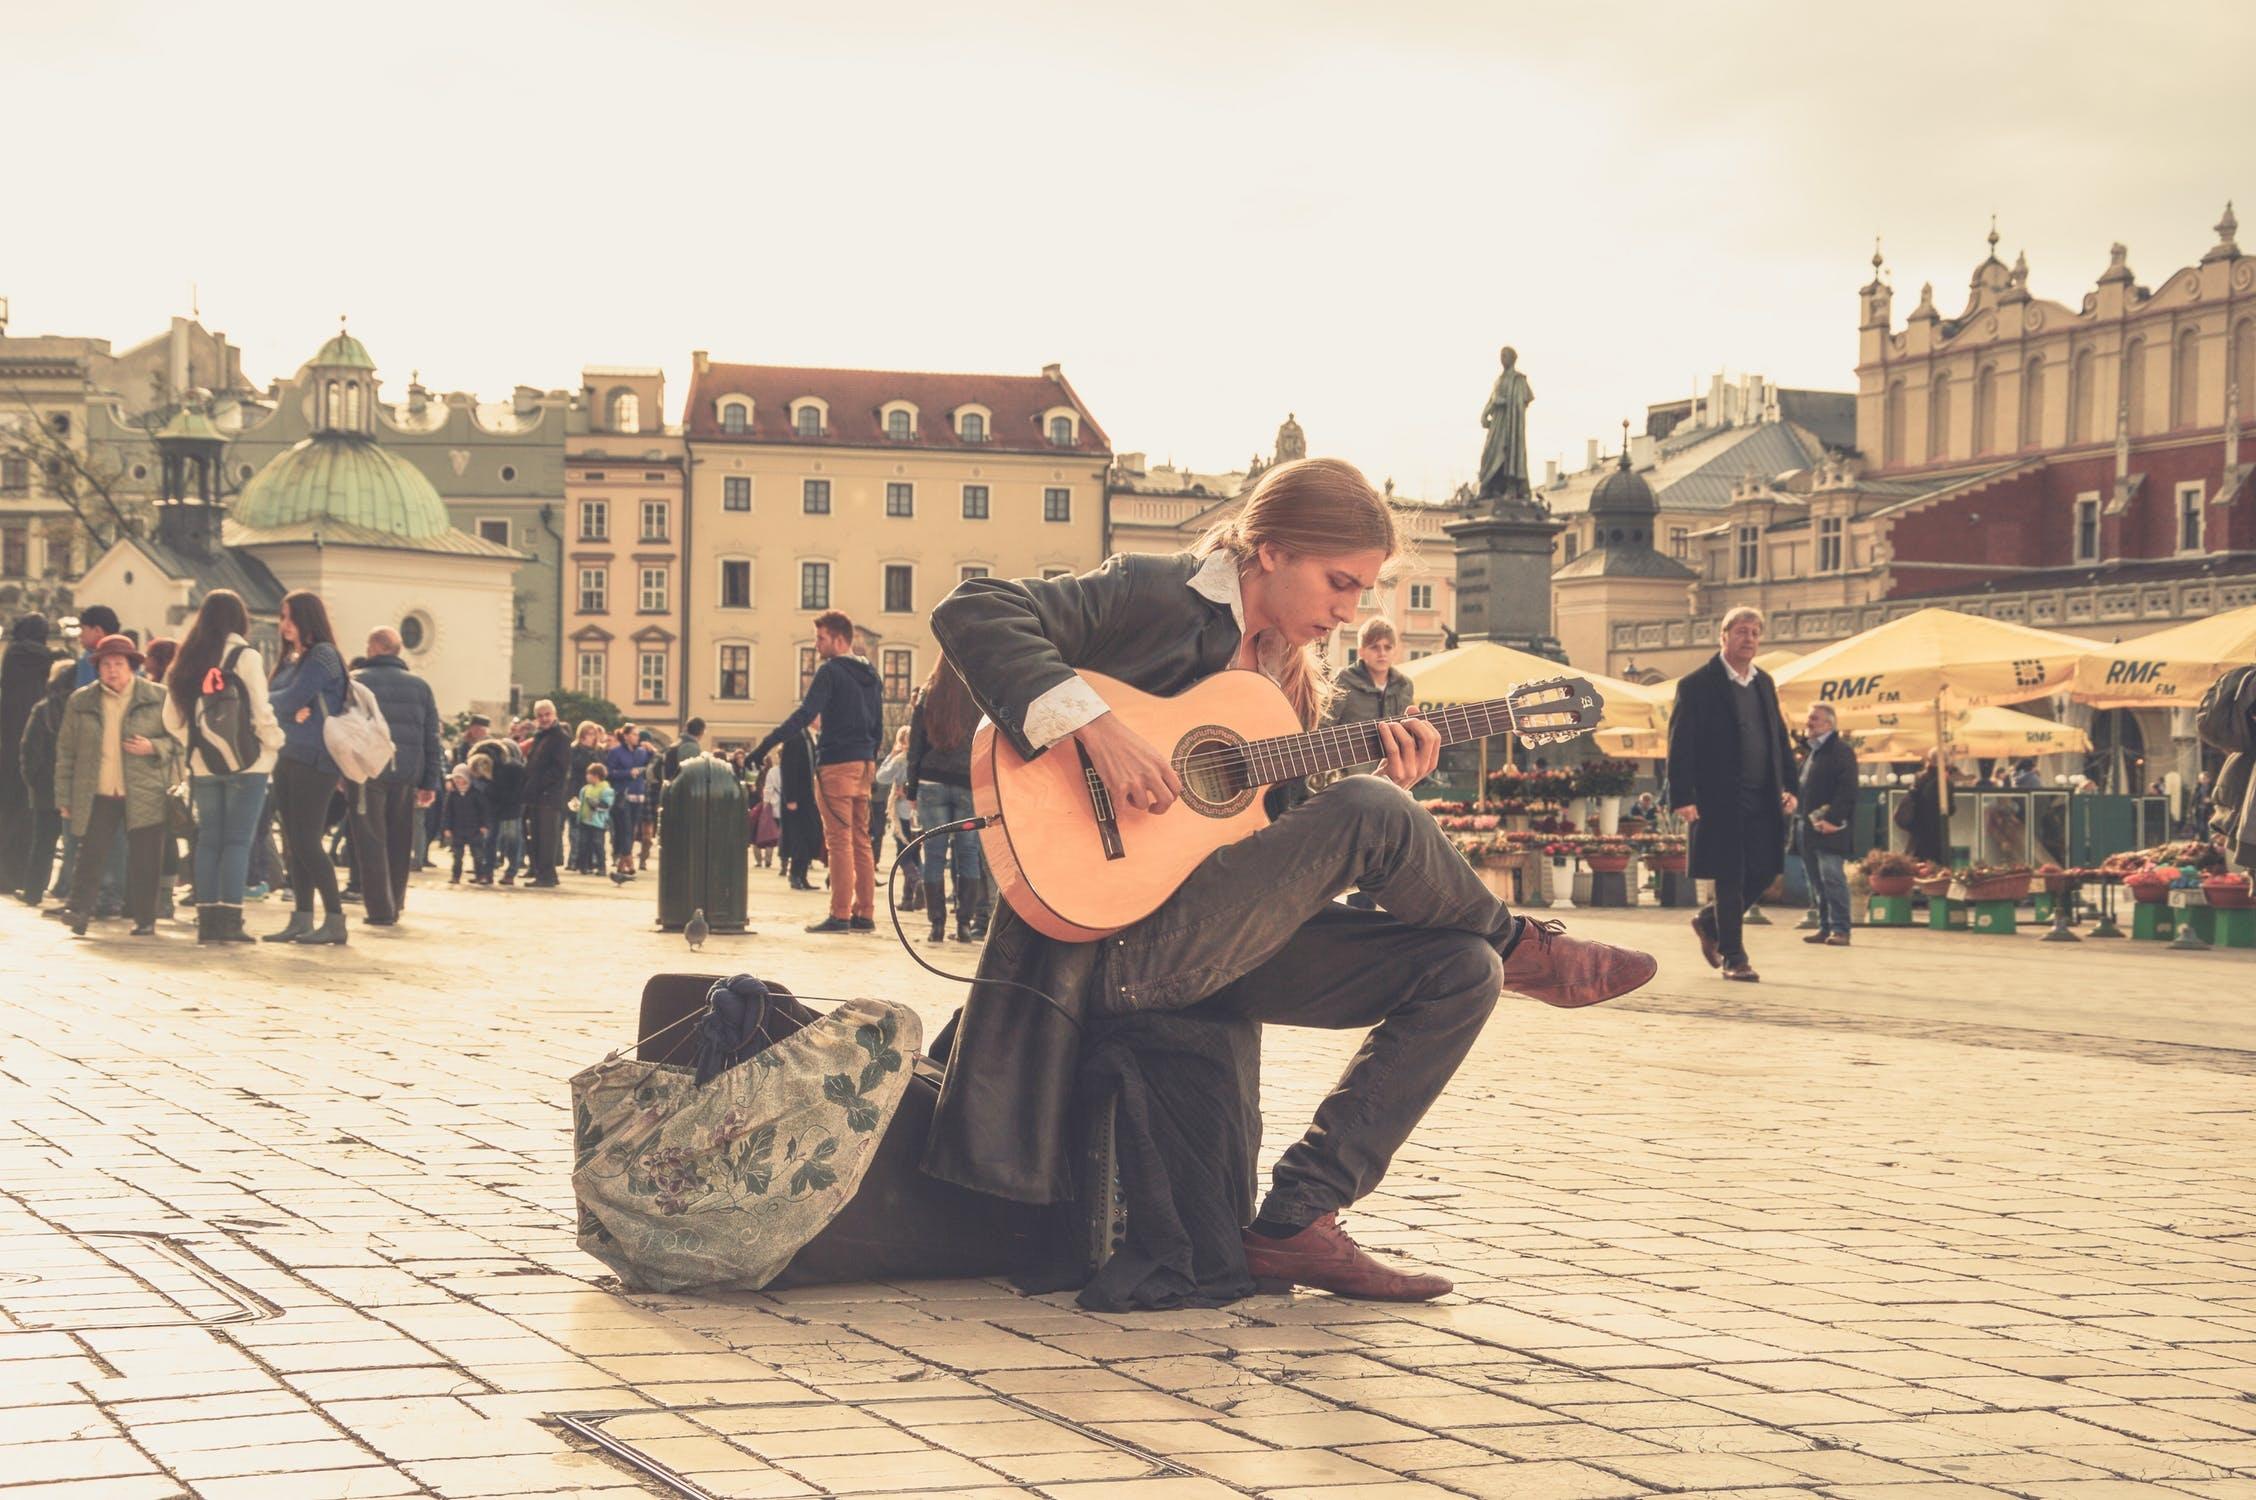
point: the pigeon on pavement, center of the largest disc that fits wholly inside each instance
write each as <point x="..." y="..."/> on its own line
<point x="697" y="930"/>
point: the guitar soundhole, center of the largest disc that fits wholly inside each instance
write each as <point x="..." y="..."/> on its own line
<point x="1213" y="772"/>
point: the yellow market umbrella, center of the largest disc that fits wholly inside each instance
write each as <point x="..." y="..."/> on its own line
<point x="1773" y="661"/>
<point x="1937" y="658"/>
<point x="1990" y="730"/>
<point x="2170" y="668"/>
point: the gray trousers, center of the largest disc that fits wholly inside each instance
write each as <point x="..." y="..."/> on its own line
<point x="1255" y="932"/>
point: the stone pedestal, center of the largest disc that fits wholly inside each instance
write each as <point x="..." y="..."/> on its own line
<point x="1504" y="575"/>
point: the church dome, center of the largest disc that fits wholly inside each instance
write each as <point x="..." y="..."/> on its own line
<point x="344" y="352"/>
<point x="1623" y="493"/>
<point x="345" y="478"/>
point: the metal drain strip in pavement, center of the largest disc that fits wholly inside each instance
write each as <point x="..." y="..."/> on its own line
<point x="180" y="1289"/>
<point x="589" y="1425"/>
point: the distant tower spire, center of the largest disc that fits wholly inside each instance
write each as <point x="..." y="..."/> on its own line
<point x="1993" y="236"/>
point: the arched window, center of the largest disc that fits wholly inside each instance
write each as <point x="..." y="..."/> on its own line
<point x="1892" y="427"/>
<point x="2134" y="384"/>
<point x="1938" y="419"/>
<point x="2031" y="434"/>
<point x="626" y="412"/>
<point x="736" y="418"/>
<point x="2082" y="396"/>
<point x="973" y="427"/>
<point x="2185" y="381"/>
<point x="808" y="421"/>
<point x="1061" y="432"/>
<point x="352" y="404"/>
<point x="1985" y="410"/>
<point x="897" y="425"/>
<point x="329" y="413"/>
<point x="2243" y="373"/>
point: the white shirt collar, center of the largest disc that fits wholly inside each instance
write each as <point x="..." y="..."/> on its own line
<point x="1744" y="679"/>
<point x="1217" y="580"/>
<point x="1816" y="740"/>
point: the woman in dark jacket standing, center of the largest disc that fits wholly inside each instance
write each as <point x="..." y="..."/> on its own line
<point x="802" y="820"/>
<point x="23" y="682"/>
<point x="307" y="687"/>
<point x="939" y="778"/>
<point x="37" y="751"/>
<point x="1924" y="807"/>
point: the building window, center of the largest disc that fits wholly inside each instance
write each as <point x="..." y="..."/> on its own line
<point x="807" y="421"/>
<point x="1570" y="542"/>
<point x="814" y="585"/>
<point x="2189" y="517"/>
<point x="2087" y="527"/>
<point x="900" y="499"/>
<point x="1680" y="540"/>
<point x="736" y="492"/>
<point x="972" y="427"/>
<point x="588" y="679"/>
<point x="808" y="661"/>
<point x="654" y="520"/>
<point x="1750" y="553"/>
<point x="897" y="426"/>
<point x="736" y="418"/>
<point x="595" y="590"/>
<point x="15" y="475"/>
<point x="1061" y="432"/>
<point x="494" y="529"/>
<point x="900" y="588"/>
<point x="1421" y="596"/>
<point x="898" y="666"/>
<point x="626" y="412"/>
<point x="970" y="571"/>
<point x="736" y="673"/>
<point x="736" y="583"/>
<point x="508" y="473"/>
<point x="15" y="551"/>
<point x="1057" y="572"/>
<point x="595" y="520"/>
<point x="650" y="676"/>
<point x="1829" y="544"/>
<point x="814" y="497"/>
<point x="1057" y="505"/>
<point x="975" y="502"/>
<point x="653" y="591"/>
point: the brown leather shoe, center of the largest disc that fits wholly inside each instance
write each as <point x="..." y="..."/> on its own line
<point x="1548" y="965"/>
<point x="1323" y="1257"/>
<point x="1819" y="937"/>
<point x="1703" y="928"/>
<point x="1837" y="940"/>
<point x="1741" y="971"/>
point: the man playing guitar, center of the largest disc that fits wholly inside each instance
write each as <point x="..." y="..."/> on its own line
<point x="1254" y="930"/>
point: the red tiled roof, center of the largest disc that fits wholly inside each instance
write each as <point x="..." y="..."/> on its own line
<point x="855" y="398"/>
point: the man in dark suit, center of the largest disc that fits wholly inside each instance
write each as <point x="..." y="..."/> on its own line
<point x="1828" y="798"/>
<point x="1729" y="769"/>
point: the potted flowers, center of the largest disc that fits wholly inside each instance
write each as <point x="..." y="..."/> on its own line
<point x="1889" y="873"/>
<point x="1606" y="856"/>
<point x="2228" y="892"/>
<point x="1664" y="853"/>
<point x="1608" y="781"/>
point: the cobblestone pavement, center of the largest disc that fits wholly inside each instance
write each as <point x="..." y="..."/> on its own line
<point x="1934" y="1216"/>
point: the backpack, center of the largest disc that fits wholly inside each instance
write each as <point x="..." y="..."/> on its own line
<point x="358" y="739"/>
<point x="220" y="730"/>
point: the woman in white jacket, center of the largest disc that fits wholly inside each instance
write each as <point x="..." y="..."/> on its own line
<point x="226" y="777"/>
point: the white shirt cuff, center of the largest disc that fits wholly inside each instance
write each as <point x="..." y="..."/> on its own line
<point x="1061" y="710"/>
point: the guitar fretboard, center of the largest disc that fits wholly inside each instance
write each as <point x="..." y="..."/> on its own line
<point x="1339" y="745"/>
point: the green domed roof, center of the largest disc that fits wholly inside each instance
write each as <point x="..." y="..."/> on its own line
<point x="343" y="478"/>
<point x="346" y="351"/>
<point x="191" y="425"/>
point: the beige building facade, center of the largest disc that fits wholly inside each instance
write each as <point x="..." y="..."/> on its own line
<point x="1162" y="508"/>
<point x="626" y="527"/>
<point x="872" y="492"/>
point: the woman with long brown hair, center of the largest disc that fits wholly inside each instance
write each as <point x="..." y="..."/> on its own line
<point x="1255" y="931"/>
<point x="938" y="778"/>
<point x="231" y="749"/>
<point x="309" y="686"/>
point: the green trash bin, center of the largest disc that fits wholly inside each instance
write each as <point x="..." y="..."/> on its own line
<point x="703" y="849"/>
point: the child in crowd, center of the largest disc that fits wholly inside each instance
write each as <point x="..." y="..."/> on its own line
<point x="466" y="820"/>
<point x="593" y="822"/>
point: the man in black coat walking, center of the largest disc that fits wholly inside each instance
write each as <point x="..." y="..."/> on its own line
<point x="548" y="787"/>
<point x="1729" y="769"/>
<point x="24" y="666"/>
<point x="385" y="807"/>
<point x="1828" y="798"/>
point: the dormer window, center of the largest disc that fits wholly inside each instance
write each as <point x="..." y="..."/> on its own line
<point x="1061" y="432"/>
<point x="972" y="427"/>
<point x="897" y="425"/>
<point x="736" y="417"/>
<point x="626" y="412"/>
<point x="807" y="421"/>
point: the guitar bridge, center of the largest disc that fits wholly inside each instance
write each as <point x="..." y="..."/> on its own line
<point x="1100" y="803"/>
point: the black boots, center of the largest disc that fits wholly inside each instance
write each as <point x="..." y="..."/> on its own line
<point x="969" y="916"/>
<point x="936" y="907"/>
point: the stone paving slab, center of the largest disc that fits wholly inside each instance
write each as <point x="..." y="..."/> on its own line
<point x="1937" y="1215"/>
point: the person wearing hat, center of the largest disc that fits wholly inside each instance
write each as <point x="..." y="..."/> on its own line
<point x="113" y="767"/>
<point x="23" y="682"/>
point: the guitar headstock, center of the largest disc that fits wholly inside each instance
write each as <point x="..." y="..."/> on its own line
<point x="1555" y="709"/>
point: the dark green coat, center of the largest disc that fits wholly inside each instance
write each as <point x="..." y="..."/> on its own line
<point x="78" y="756"/>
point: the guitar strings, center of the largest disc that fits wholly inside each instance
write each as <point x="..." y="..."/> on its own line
<point x="1353" y="739"/>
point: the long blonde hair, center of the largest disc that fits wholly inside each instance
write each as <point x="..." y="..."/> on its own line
<point x="1311" y="507"/>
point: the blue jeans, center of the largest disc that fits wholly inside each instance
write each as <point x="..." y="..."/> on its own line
<point x="938" y="804"/>
<point x="1828" y="883"/>
<point x="505" y="841"/>
<point x="227" y="814"/>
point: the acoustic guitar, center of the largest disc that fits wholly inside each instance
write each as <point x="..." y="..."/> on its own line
<point x="1078" y="867"/>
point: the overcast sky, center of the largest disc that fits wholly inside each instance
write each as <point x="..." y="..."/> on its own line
<point x="1210" y="214"/>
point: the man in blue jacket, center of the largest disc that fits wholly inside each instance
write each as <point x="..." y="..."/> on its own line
<point x="846" y="697"/>
<point x="384" y="808"/>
